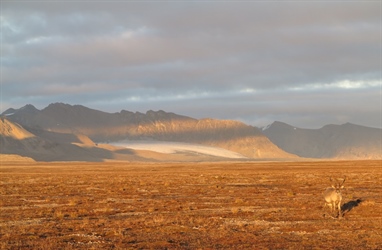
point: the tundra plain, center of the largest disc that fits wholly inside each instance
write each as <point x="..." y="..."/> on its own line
<point x="223" y="205"/>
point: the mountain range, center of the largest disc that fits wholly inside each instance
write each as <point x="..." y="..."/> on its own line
<point x="346" y="141"/>
<point x="74" y="132"/>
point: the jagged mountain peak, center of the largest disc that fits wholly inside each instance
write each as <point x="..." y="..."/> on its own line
<point x="64" y="106"/>
<point x="163" y="115"/>
<point x="279" y="126"/>
<point x="29" y="108"/>
<point x="58" y="104"/>
<point x="8" y="112"/>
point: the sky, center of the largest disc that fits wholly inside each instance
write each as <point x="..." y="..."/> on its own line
<point x="306" y="63"/>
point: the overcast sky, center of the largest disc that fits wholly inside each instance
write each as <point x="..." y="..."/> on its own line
<point x="306" y="63"/>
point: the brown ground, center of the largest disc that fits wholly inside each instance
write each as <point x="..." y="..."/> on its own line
<point x="262" y="205"/>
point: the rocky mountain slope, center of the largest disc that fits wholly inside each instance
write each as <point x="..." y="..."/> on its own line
<point x="61" y="127"/>
<point x="50" y="146"/>
<point x="347" y="141"/>
<point x="100" y="126"/>
<point x="17" y="144"/>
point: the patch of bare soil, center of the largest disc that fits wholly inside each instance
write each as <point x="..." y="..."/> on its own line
<point x="261" y="205"/>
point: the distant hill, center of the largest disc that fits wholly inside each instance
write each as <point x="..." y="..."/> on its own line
<point x="59" y="118"/>
<point x="347" y="141"/>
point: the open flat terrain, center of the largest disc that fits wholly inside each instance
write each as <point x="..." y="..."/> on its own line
<point x="243" y="205"/>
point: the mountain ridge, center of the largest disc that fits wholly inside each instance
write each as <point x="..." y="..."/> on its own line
<point x="159" y="125"/>
<point x="276" y="141"/>
<point x="18" y="144"/>
<point x="345" y="141"/>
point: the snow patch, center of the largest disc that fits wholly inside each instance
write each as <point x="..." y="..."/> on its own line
<point x="175" y="147"/>
<point x="266" y="127"/>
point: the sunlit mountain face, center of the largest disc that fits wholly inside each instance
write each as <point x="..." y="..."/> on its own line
<point x="61" y="128"/>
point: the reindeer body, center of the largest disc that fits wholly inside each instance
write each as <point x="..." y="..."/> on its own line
<point x="333" y="197"/>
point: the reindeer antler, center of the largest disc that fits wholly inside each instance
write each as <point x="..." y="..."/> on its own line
<point x="343" y="180"/>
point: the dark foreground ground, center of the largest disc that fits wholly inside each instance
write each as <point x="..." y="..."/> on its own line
<point x="188" y="206"/>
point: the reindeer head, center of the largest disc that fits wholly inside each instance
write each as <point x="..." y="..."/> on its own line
<point x="337" y="185"/>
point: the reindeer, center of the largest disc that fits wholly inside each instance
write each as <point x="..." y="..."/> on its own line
<point x="333" y="197"/>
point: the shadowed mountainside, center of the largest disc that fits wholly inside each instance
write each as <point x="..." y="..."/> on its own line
<point x="162" y="126"/>
<point x="347" y="141"/>
<point x="81" y="126"/>
<point x="14" y="139"/>
<point x="16" y="143"/>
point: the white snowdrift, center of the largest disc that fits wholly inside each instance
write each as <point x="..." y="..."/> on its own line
<point x="176" y="147"/>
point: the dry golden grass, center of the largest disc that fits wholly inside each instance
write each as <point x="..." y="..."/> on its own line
<point x="260" y="205"/>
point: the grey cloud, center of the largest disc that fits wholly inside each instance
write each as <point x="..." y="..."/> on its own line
<point x="196" y="57"/>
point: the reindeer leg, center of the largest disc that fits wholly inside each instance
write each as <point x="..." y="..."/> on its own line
<point x="332" y="209"/>
<point x="339" y="210"/>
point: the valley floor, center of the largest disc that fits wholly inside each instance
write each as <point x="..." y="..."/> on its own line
<point x="243" y="205"/>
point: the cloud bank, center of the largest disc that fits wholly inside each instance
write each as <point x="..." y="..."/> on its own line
<point x="304" y="63"/>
